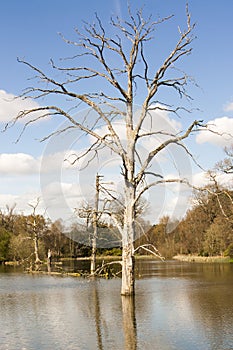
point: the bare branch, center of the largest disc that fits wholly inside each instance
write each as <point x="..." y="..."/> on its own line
<point x="150" y="248"/>
<point x="174" y="140"/>
<point x="160" y="182"/>
<point x="181" y="49"/>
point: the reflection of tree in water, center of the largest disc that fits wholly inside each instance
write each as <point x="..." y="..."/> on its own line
<point x="128" y="319"/>
<point x="129" y="322"/>
<point x="97" y="314"/>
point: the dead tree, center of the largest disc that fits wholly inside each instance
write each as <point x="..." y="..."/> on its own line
<point x="95" y="224"/>
<point x="226" y="165"/>
<point x="92" y="214"/>
<point x="117" y="66"/>
<point x="34" y="230"/>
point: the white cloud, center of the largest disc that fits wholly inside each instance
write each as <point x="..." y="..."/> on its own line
<point x="219" y="132"/>
<point x="7" y="199"/>
<point x="60" y="199"/>
<point x="57" y="200"/>
<point x="21" y="202"/>
<point x="11" y="105"/>
<point x="226" y="180"/>
<point x="57" y="161"/>
<point x="228" y="107"/>
<point x="12" y="164"/>
<point x="59" y="189"/>
<point x="200" y="179"/>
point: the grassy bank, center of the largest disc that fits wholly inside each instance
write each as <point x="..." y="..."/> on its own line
<point x="203" y="259"/>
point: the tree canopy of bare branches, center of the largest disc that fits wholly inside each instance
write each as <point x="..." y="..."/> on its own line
<point x="106" y="74"/>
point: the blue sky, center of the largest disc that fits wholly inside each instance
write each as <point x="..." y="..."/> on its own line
<point x="29" y="30"/>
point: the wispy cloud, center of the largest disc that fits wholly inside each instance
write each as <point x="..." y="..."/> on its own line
<point x="219" y="132"/>
<point x="11" y="105"/>
<point x="15" y="164"/>
<point x="228" y="107"/>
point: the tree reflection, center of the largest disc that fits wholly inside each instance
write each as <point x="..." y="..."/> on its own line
<point x="129" y="322"/>
<point x="96" y="300"/>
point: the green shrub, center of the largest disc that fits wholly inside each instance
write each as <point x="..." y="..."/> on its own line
<point x="229" y="251"/>
<point x="113" y="252"/>
<point x="4" y="244"/>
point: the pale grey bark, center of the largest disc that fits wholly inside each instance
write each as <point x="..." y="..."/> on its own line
<point x="95" y="224"/>
<point x="35" y="231"/>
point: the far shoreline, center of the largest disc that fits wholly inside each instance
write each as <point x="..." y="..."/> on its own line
<point x="191" y="258"/>
<point x="202" y="259"/>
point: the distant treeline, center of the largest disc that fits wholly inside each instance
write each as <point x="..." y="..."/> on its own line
<point x="19" y="233"/>
<point x="206" y="230"/>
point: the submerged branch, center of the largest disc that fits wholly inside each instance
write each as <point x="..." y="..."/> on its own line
<point x="101" y="268"/>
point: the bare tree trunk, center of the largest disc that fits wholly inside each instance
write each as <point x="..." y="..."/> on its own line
<point x="128" y="279"/>
<point x="35" y="231"/>
<point x="93" y="253"/>
<point x="36" y="245"/>
<point x="95" y="225"/>
<point x="36" y="249"/>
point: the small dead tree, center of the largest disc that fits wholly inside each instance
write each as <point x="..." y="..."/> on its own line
<point x="117" y="66"/>
<point x="226" y="165"/>
<point x="95" y="223"/>
<point x="92" y="215"/>
<point x="223" y="195"/>
<point x="34" y="229"/>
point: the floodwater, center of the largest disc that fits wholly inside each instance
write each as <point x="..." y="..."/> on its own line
<point x="181" y="306"/>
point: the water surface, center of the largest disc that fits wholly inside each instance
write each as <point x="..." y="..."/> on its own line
<point x="177" y="306"/>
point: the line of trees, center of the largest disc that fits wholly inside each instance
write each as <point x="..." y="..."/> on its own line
<point x="20" y="234"/>
<point x="207" y="230"/>
<point x="28" y="238"/>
